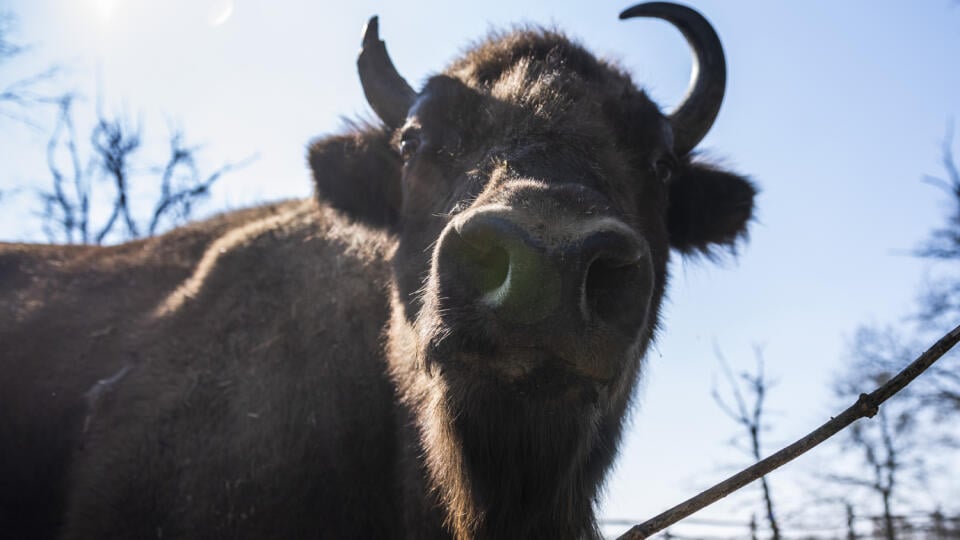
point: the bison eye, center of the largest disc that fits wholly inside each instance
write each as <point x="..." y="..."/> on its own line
<point x="409" y="144"/>
<point x="663" y="168"/>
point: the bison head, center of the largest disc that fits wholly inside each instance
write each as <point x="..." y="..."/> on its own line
<point x="535" y="193"/>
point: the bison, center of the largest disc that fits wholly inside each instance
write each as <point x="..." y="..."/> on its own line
<point x="442" y="343"/>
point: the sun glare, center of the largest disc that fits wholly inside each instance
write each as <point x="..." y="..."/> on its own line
<point x="105" y="8"/>
<point x="219" y="12"/>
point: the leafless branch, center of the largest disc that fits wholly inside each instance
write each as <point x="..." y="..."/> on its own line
<point x="69" y="213"/>
<point x="867" y="405"/>
<point x="751" y="420"/>
<point x="8" y="49"/>
<point x="178" y="201"/>
<point x="945" y="242"/>
<point x="115" y="142"/>
<point x="884" y="461"/>
<point x="22" y="93"/>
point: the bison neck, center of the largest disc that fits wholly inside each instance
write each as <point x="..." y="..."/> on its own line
<point x="500" y="463"/>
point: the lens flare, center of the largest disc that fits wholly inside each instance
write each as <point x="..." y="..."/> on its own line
<point x="220" y="11"/>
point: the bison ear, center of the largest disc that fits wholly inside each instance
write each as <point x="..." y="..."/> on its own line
<point x="359" y="174"/>
<point x="708" y="208"/>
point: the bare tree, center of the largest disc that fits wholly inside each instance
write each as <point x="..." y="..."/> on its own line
<point x="114" y="142"/>
<point x="7" y="47"/>
<point x="941" y="300"/>
<point x="750" y="418"/>
<point x="114" y="145"/>
<point x="867" y="405"/>
<point x="893" y="448"/>
<point x="881" y="351"/>
<point x="20" y="94"/>
<point x="876" y="441"/>
<point x="91" y="177"/>
<point x="850" y="521"/>
<point x="943" y="527"/>
<point x="182" y="185"/>
<point x="66" y="208"/>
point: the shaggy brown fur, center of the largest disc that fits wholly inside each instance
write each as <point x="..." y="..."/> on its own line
<point x="328" y="370"/>
<point x="63" y="313"/>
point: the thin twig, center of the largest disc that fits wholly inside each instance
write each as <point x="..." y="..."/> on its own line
<point x="867" y="405"/>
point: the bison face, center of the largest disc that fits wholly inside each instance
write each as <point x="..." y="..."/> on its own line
<point x="532" y="252"/>
<point x="535" y="193"/>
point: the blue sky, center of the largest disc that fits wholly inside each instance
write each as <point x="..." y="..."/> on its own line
<point x="836" y="109"/>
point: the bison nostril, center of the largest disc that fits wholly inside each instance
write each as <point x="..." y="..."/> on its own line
<point x="486" y="265"/>
<point x="618" y="280"/>
<point x="496" y="263"/>
<point x="613" y="291"/>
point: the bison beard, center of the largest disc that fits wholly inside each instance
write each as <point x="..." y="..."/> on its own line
<point x="508" y="460"/>
<point x="444" y="343"/>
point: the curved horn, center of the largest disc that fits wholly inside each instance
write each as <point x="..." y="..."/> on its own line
<point x="387" y="92"/>
<point x="692" y="119"/>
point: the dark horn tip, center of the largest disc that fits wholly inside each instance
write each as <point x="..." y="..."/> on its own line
<point x="633" y="11"/>
<point x="371" y="31"/>
<point x="650" y="9"/>
<point x="692" y="119"/>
